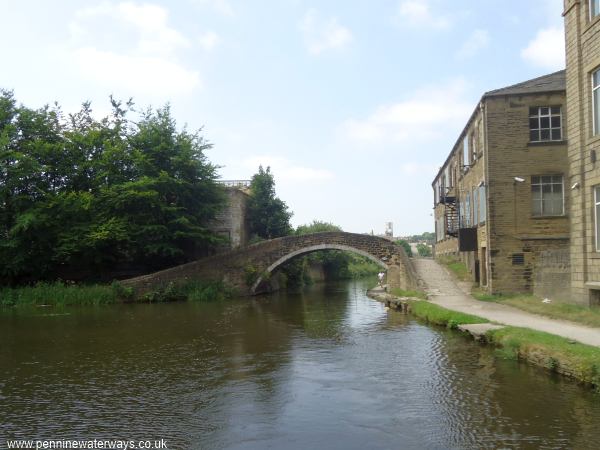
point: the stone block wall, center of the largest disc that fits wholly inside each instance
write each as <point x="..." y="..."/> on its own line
<point x="515" y="235"/>
<point x="232" y="221"/>
<point x="553" y="274"/>
<point x="583" y="58"/>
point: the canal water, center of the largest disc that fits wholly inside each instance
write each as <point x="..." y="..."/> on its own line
<point x="326" y="368"/>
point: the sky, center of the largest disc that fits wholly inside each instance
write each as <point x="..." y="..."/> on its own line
<point x="353" y="104"/>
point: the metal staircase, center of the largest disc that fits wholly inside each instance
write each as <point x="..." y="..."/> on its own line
<point x="451" y="213"/>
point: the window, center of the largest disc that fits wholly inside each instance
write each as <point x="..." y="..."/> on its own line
<point x="596" y="100"/>
<point x="475" y="206"/>
<point x="597" y="215"/>
<point x="518" y="259"/>
<point x="482" y="209"/>
<point x="594" y="8"/>
<point x="545" y="123"/>
<point x="466" y="152"/>
<point x="473" y="147"/>
<point x="547" y="195"/>
<point x="467" y="211"/>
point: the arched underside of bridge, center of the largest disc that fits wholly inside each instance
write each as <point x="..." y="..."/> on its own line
<point x="312" y="249"/>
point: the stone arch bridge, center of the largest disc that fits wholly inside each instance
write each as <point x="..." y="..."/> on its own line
<point x="247" y="268"/>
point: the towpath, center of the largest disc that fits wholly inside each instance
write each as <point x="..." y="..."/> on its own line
<point x="444" y="291"/>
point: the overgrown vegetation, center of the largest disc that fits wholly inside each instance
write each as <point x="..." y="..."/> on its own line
<point x="456" y="266"/>
<point x="555" y="309"/>
<point x="194" y="291"/>
<point x="79" y="196"/>
<point x="406" y="246"/>
<point x="61" y="294"/>
<point x="424" y="250"/>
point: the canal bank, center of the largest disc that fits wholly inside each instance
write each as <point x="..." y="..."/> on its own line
<point x="559" y="346"/>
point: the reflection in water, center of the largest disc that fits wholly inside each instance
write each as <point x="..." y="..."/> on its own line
<point x="326" y="367"/>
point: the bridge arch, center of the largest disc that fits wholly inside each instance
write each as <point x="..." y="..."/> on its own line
<point x="312" y="249"/>
<point x="237" y="268"/>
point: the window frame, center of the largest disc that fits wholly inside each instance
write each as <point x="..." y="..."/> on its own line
<point x="541" y="184"/>
<point x="539" y="116"/>
<point x="596" y="204"/>
<point x="595" y="91"/>
<point x="594" y="11"/>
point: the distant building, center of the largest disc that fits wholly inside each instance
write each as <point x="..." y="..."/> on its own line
<point x="389" y="229"/>
<point x="500" y="198"/>
<point x="582" y="28"/>
<point x="232" y="222"/>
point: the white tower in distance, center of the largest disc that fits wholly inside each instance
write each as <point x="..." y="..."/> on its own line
<point x="389" y="229"/>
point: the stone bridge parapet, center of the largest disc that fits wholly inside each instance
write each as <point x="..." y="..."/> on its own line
<point x="247" y="268"/>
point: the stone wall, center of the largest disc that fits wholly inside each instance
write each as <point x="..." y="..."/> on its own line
<point x="553" y="274"/>
<point x="516" y="236"/>
<point x="232" y="223"/>
<point x="583" y="58"/>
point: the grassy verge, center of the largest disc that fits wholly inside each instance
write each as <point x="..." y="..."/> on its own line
<point x="58" y="294"/>
<point x="555" y="310"/>
<point x="402" y="293"/>
<point x="61" y="294"/>
<point x="456" y="266"/>
<point x="555" y="353"/>
<point x="442" y="316"/>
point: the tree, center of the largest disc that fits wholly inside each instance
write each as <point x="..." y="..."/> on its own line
<point x="317" y="226"/>
<point x="405" y="245"/>
<point x="268" y="216"/>
<point x="424" y="250"/>
<point x="79" y="195"/>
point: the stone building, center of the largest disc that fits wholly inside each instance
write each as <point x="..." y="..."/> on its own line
<point x="582" y="34"/>
<point x="232" y="222"/>
<point x="500" y="199"/>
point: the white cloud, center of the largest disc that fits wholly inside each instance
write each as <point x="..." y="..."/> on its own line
<point x="417" y="13"/>
<point x="547" y="49"/>
<point x="321" y="35"/>
<point x="150" y="22"/>
<point x="140" y="74"/>
<point x="287" y="171"/>
<point x="209" y="40"/>
<point x="221" y="6"/>
<point x="478" y="40"/>
<point x="424" y="116"/>
<point x="131" y="46"/>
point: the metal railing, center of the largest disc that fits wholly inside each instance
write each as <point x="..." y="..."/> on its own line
<point x="235" y="183"/>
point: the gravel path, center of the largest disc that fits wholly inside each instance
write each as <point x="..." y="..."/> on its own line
<point x="444" y="291"/>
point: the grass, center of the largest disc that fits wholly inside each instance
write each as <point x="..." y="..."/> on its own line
<point x="555" y="310"/>
<point x="58" y="294"/>
<point x="555" y="353"/>
<point x="402" y="293"/>
<point x="549" y="351"/>
<point x="61" y="294"/>
<point x="441" y="316"/>
<point x="456" y="266"/>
